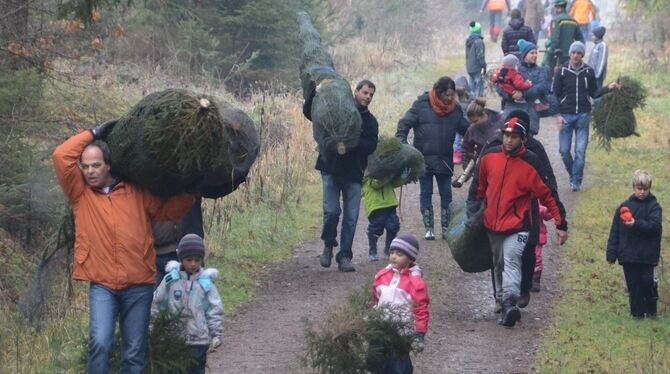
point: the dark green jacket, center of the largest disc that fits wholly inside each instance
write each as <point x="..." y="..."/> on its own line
<point x="564" y="31"/>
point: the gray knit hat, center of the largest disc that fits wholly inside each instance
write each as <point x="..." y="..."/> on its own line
<point x="577" y="46"/>
<point x="510" y="61"/>
<point x="407" y="244"/>
<point x="190" y="245"/>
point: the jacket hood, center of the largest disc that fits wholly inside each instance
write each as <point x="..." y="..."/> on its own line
<point x="651" y="198"/>
<point x="516" y="23"/>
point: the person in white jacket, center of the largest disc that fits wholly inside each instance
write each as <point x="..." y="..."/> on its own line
<point x="188" y="290"/>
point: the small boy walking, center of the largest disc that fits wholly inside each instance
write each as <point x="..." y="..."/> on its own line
<point x="635" y="241"/>
<point x="188" y="290"/>
<point x="380" y="202"/>
<point x="598" y="56"/>
<point x="401" y="285"/>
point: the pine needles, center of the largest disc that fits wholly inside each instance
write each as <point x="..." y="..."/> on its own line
<point x="358" y="339"/>
<point x="391" y="157"/>
<point x="613" y="116"/>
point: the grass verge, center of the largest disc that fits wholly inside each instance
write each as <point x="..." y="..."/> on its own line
<point x="591" y="329"/>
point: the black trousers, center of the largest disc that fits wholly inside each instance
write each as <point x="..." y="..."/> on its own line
<point x="642" y="289"/>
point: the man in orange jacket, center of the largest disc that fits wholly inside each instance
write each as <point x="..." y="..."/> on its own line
<point x="114" y="247"/>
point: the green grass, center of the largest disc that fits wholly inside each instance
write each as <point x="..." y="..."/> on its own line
<point x="591" y="329"/>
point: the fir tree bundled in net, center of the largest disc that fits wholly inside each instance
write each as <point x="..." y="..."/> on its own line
<point x="468" y="240"/>
<point x="336" y="123"/>
<point x="613" y="117"/>
<point x="392" y="157"/>
<point x="358" y="339"/>
<point x="174" y="139"/>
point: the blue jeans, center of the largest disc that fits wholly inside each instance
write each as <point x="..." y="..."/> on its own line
<point x="579" y="124"/>
<point x="585" y="32"/>
<point x="132" y="307"/>
<point x="426" y="190"/>
<point x="381" y="219"/>
<point x="476" y="84"/>
<point x="333" y="187"/>
<point x="398" y="366"/>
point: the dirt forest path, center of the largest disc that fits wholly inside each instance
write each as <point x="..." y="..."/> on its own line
<point x="266" y="335"/>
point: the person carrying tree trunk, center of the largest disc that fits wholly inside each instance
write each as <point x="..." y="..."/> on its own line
<point x="114" y="246"/>
<point x="342" y="175"/>
<point x="435" y="118"/>
<point x="509" y="179"/>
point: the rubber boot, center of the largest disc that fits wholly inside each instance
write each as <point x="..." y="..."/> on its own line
<point x="510" y="314"/>
<point x="444" y="221"/>
<point x="428" y="223"/>
<point x="372" y="240"/>
<point x="326" y="257"/>
<point x="387" y="245"/>
<point x="536" y="281"/>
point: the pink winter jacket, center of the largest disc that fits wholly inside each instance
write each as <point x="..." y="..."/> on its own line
<point x="404" y="287"/>
<point x="546" y="216"/>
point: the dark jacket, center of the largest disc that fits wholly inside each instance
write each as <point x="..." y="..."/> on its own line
<point x="475" y="59"/>
<point x="509" y="182"/>
<point x="351" y="165"/>
<point x="564" y="31"/>
<point x="515" y="30"/>
<point x="433" y="135"/>
<point x="167" y="234"/>
<point x="574" y="87"/>
<point x="477" y="136"/>
<point x="641" y="243"/>
<point x="539" y="91"/>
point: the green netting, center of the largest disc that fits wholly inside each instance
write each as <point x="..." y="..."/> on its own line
<point x="391" y="157"/>
<point x="172" y="140"/>
<point x="468" y="240"/>
<point x="613" y="116"/>
<point x="335" y="118"/>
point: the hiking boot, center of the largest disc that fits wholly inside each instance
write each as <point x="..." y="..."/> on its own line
<point x="498" y="308"/>
<point x="345" y="266"/>
<point x="373" y="258"/>
<point x="510" y="314"/>
<point x="536" y="281"/>
<point x="524" y="299"/>
<point x="444" y="221"/>
<point x="429" y="235"/>
<point x="326" y="257"/>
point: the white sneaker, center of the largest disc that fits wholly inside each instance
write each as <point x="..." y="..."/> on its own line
<point x="429" y="235"/>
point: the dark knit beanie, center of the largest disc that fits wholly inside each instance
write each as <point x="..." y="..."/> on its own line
<point x="599" y="32"/>
<point x="525" y="47"/>
<point x="407" y="244"/>
<point x="190" y="245"/>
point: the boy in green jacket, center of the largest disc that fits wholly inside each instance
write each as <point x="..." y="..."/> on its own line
<point x="380" y="204"/>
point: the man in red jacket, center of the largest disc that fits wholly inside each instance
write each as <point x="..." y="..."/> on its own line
<point x="510" y="180"/>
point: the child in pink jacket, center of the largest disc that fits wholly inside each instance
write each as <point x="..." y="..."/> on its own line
<point x="537" y="273"/>
<point x="400" y="284"/>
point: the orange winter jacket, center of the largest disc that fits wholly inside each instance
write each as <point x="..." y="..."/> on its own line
<point x="114" y="245"/>
<point x="496" y="5"/>
<point x="583" y="11"/>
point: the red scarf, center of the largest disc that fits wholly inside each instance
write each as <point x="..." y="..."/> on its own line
<point x="438" y="106"/>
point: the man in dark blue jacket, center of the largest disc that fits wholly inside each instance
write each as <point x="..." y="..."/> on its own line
<point x="574" y="86"/>
<point x="515" y="31"/>
<point x="435" y="118"/>
<point x="343" y="175"/>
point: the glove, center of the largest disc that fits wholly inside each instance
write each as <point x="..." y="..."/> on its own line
<point x="205" y="283"/>
<point x="172" y="276"/>
<point x="405" y="173"/>
<point x="420" y="342"/>
<point x="216" y="343"/>
<point x="101" y="131"/>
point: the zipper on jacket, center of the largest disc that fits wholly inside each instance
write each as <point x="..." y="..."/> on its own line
<point x="576" y="93"/>
<point x="502" y="183"/>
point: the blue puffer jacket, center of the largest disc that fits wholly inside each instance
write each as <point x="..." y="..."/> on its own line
<point x="540" y="89"/>
<point x="433" y="135"/>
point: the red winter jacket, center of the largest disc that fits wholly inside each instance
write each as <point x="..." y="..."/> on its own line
<point x="509" y="182"/>
<point x="403" y="288"/>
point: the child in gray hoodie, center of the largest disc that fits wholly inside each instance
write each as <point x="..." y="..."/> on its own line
<point x="188" y="290"/>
